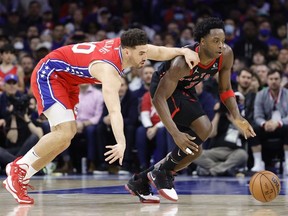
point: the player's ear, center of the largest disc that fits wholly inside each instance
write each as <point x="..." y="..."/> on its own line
<point x="202" y="41"/>
<point x="126" y="51"/>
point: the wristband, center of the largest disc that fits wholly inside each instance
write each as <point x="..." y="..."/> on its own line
<point x="225" y="95"/>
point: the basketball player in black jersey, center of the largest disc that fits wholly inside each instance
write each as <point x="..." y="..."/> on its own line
<point x="174" y="97"/>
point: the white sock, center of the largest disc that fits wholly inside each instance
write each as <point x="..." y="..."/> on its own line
<point x="257" y="157"/>
<point x="29" y="158"/>
<point x="30" y="172"/>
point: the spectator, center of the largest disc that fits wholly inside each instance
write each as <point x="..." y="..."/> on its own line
<point x="249" y="43"/>
<point x="27" y="63"/>
<point x="22" y="130"/>
<point x="230" y="32"/>
<point x="226" y="154"/>
<point x="58" y="36"/>
<point x="8" y="67"/>
<point x="258" y="58"/>
<point x="271" y="118"/>
<point x="273" y="52"/>
<point x="152" y="139"/>
<point x="255" y="85"/>
<point x="14" y="25"/>
<point x="239" y="63"/>
<point x="265" y="34"/>
<point x="262" y="72"/>
<point x="283" y="57"/>
<point x="145" y="80"/>
<point x="34" y="14"/>
<point x="89" y="111"/>
<point x="186" y="37"/>
<point x="244" y="80"/>
<point x="130" y="115"/>
<point x="281" y="31"/>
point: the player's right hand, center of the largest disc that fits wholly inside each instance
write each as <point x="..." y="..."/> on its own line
<point x="191" y="57"/>
<point x="116" y="152"/>
<point x="185" y="142"/>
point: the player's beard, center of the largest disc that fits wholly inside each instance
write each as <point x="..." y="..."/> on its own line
<point x="136" y="64"/>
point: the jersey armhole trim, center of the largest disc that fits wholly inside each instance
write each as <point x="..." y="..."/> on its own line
<point x="103" y="61"/>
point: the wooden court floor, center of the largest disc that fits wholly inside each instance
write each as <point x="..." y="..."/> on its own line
<point x="105" y="195"/>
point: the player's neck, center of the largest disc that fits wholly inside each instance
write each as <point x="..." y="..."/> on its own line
<point x="204" y="59"/>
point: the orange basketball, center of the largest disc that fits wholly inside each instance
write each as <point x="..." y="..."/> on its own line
<point x="264" y="186"/>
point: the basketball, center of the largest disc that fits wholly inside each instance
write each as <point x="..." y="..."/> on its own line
<point x="264" y="186"/>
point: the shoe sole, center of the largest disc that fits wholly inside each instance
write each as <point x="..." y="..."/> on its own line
<point x="161" y="192"/>
<point x="10" y="190"/>
<point x="142" y="200"/>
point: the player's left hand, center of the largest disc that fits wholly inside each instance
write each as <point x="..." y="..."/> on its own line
<point x="244" y="127"/>
<point x="191" y="57"/>
<point x="116" y="152"/>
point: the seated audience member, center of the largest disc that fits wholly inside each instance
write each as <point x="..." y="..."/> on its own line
<point x="89" y="111"/>
<point x="17" y="120"/>
<point x="145" y="79"/>
<point x="227" y="147"/>
<point x="27" y="63"/>
<point x="262" y="71"/>
<point x="7" y="66"/>
<point x="244" y="81"/>
<point x="129" y="112"/>
<point x="271" y="118"/>
<point x="152" y="139"/>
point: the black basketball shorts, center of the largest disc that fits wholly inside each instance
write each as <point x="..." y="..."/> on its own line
<point x="184" y="108"/>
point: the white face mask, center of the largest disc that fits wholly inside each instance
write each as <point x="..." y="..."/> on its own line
<point x="229" y="29"/>
<point x="18" y="45"/>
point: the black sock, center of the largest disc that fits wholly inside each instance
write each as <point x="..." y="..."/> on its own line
<point x="177" y="154"/>
<point x="143" y="174"/>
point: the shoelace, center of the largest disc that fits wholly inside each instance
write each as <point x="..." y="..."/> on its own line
<point x="23" y="186"/>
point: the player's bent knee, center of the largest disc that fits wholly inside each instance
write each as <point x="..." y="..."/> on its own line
<point x="67" y="130"/>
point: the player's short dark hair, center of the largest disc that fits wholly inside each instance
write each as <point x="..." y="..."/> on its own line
<point x="133" y="37"/>
<point x="203" y="28"/>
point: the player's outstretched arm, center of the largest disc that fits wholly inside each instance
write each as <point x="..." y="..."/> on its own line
<point x="227" y="95"/>
<point x="111" y="83"/>
<point x="161" y="53"/>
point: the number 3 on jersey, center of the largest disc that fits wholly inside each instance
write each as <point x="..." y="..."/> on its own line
<point x="84" y="48"/>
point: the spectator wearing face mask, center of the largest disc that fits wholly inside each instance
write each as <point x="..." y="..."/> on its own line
<point x="248" y="43"/>
<point x="230" y="32"/>
<point x="265" y="34"/>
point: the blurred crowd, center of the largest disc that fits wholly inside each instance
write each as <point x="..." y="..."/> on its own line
<point x="255" y="29"/>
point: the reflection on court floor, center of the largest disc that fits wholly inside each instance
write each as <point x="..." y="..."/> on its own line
<point x="105" y="195"/>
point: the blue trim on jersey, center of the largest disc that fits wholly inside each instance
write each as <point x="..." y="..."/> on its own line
<point x="56" y="65"/>
<point x="120" y="54"/>
<point x="44" y="86"/>
<point x="109" y="62"/>
<point x="59" y="65"/>
<point x="43" y="77"/>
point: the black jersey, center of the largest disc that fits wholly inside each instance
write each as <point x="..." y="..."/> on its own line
<point x="197" y="74"/>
